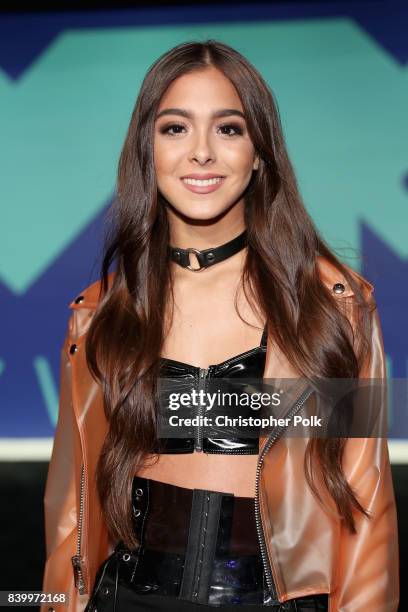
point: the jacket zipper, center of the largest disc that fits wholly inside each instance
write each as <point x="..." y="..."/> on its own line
<point x="77" y="560"/>
<point x="261" y="536"/>
<point x="202" y="375"/>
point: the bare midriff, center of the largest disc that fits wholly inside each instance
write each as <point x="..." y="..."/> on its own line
<point x="227" y="473"/>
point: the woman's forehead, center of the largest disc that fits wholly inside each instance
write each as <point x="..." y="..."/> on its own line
<point x="208" y="90"/>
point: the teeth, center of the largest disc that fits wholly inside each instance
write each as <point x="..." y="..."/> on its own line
<point x="202" y="183"/>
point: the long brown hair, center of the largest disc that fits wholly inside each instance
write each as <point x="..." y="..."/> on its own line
<point x="125" y="337"/>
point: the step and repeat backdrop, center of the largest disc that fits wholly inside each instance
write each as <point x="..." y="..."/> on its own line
<point x="68" y="83"/>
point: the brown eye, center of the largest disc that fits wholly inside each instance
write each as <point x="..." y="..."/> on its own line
<point x="172" y="129"/>
<point x="235" y="127"/>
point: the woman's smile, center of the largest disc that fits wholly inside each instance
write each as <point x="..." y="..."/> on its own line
<point x="207" y="185"/>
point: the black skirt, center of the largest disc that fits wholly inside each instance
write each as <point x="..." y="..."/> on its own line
<point x="199" y="550"/>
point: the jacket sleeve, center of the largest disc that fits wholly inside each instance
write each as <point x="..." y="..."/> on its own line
<point x="60" y="499"/>
<point x="368" y="570"/>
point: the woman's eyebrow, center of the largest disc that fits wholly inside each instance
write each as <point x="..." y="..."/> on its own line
<point x="224" y="112"/>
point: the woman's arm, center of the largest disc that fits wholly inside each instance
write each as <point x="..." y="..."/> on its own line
<point x="60" y="499"/>
<point x="368" y="574"/>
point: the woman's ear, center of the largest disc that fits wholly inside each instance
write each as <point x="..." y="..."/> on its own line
<point x="256" y="163"/>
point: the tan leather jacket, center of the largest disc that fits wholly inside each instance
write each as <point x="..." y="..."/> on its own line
<point x="306" y="547"/>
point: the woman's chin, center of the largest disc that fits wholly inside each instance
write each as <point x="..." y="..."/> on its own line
<point x="200" y="212"/>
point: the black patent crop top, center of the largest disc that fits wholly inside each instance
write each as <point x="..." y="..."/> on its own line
<point x="247" y="365"/>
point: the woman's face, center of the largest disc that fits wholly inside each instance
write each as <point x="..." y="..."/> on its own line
<point x="203" y="155"/>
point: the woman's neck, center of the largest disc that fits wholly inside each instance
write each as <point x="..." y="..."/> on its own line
<point x="185" y="233"/>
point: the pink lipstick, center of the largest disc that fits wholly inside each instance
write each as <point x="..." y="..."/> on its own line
<point x="202" y="183"/>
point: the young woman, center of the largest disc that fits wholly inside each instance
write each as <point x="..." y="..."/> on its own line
<point x="219" y="273"/>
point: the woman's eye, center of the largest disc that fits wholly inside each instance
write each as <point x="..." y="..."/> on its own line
<point x="228" y="129"/>
<point x="237" y="129"/>
<point x="171" y="130"/>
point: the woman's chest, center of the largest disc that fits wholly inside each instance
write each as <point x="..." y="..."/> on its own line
<point x="209" y="326"/>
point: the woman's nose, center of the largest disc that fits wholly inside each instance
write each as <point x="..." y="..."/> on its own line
<point x="202" y="150"/>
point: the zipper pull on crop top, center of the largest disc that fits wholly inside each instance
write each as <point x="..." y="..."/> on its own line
<point x="186" y="378"/>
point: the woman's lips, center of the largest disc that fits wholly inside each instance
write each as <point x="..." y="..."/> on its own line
<point x="206" y="186"/>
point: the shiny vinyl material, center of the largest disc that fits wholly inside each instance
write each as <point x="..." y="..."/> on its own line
<point x="250" y="364"/>
<point x="195" y="545"/>
<point x="307" y="549"/>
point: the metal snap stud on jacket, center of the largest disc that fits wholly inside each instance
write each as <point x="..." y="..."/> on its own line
<point x="339" y="288"/>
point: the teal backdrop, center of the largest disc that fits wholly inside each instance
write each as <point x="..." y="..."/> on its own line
<point x="68" y="84"/>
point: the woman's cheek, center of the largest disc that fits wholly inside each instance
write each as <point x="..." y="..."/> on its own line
<point x="167" y="162"/>
<point x="240" y="161"/>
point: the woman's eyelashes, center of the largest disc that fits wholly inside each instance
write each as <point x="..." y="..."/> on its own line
<point x="166" y="129"/>
<point x="173" y="129"/>
<point x="238" y="130"/>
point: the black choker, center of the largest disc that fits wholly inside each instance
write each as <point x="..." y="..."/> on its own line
<point x="208" y="257"/>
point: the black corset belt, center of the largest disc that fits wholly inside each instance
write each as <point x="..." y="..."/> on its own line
<point x="197" y="545"/>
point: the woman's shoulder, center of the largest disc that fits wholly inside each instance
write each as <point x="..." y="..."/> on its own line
<point x="83" y="307"/>
<point x="90" y="296"/>
<point x="331" y="276"/>
<point x="336" y="281"/>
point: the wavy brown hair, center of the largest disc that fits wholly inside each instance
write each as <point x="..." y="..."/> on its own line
<point x="126" y="335"/>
